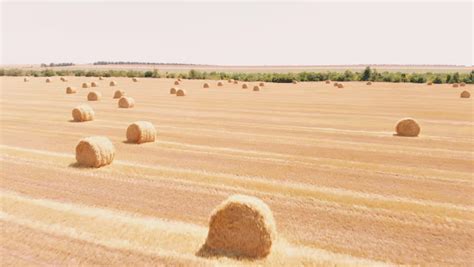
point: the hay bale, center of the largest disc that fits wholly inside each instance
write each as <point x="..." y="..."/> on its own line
<point x="179" y="79"/>
<point x="101" y="78"/>
<point x="455" y="85"/>
<point x="236" y="82"/>
<point x="256" y="88"/>
<point x="119" y="94"/>
<point x="95" y="151"/>
<point x="465" y="94"/>
<point x="94" y="84"/>
<point x="328" y="81"/>
<point x="408" y="127"/>
<point x="261" y="84"/>
<point x="369" y="83"/>
<point x="430" y="83"/>
<point x="295" y="82"/>
<point x="83" y="113"/>
<point x="340" y="85"/>
<point x="181" y="92"/>
<point x="230" y="81"/>
<point x="462" y="84"/>
<point x="336" y="84"/>
<point x="126" y="102"/>
<point x="113" y="83"/>
<point x="173" y="90"/>
<point x="205" y="85"/>
<point x="71" y="90"/>
<point x="135" y="79"/>
<point x="220" y="84"/>
<point x="48" y="80"/>
<point x="245" y="86"/>
<point x="94" y="96"/>
<point x="242" y="226"/>
<point x="176" y="82"/>
<point x="26" y="79"/>
<point x="85" y="85"/>
<point x="63" y="79"/>
<point x="141" y="132"/>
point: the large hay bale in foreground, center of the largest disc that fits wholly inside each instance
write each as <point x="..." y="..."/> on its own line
<point x="242" y="226"/>
<point x="94" y="96"/>
<point x="205" y="85"/>
<point x="94" y="84"/>
<point x="119" y="94"/>
<point x="256" y="88"/>
<point x="83" y="113"/>
<point x="113" y="83"/>
<point x="126" y="102"/>
<point x="48" y="80"/>
<point x="85" y="85"/>
<point x="245" y="86"/>
<point x="71" y="90"/>
<point x="176" y="82"/>
<point x="220" y="84"/>
<point x="408" y="127"/>
<point x="455" y="85"/>
<point x="173" y="90"/>
<point x="141" y="132"/>
<point x="180" y="92"/>
<point x="465" y="94"/>
<point x="95" y="151"/>
<point x="261" y="84"/>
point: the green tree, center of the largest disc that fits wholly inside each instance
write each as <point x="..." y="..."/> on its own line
<point x="366" y="74"/>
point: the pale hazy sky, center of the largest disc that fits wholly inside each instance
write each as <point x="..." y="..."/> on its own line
<point x="238" y="33"/>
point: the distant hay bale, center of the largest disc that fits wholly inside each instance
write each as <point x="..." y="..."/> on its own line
<point x="94" y="96"/>
<point x="48" y="80"/>
<point x="134" y="79"/>
<point x="369" y="83"/>
<point x="245" y="86"/>
<point x="230" y="81"/>
<point x="141" y="132"/>
<point x="179" y="79"/>
<point x="95" y="151"/>
<point x="340" y="85"/>
<point x="429" y="83"/>
<point x="83" y="113"/>
<point x="176" y="82"/>
<point x="63" y="79"/>
<point x="26" y="79"/>
<point x="294" y="82"/>
<point x="205" y="85"/>
<point x="94" y="84"/>
<point x="126" y="102"/>
<point x="462" y="84"/>
<point x="236" y="82"/>
<point x="101" y="78"/>
<point x="261" y="84"/>
<point x="173" y="90"/>
<point x="113" y="83"/>
<point x="408" y="127"/>
<point x="256" y="88"/>
<point x="242" y="226"/>
<point x="336" y="84"/>
<point x="455" y="85"/>
<point x="465" y="94"/>
<point x="220" y="84"/>
<point x="85" y="85"/>
<point x="328" y="81"/>
<point x="119" y="94"/>
<point x="180" y="92"/>
<point x="71" y="90"/>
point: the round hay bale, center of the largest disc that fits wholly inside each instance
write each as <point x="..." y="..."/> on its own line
<point x="83" y="113"/>
<point x="465" y="94"/>
<point x="94" y="96"/>
<point x="328" y="81"/>
<point x="179" y="79"/>
<point x="261" y="84"/>
<point x="430" y="83"/>
<point x="220" y="84"/>
<point x="245" y="86"/>
<point x="71" y="90"/>
<point x="230" y="81"/>
<point x="85" y="85"/>
<point x="369" y="83"/>
<point x="205" y="85"/>
<point x="119" y="94"/>
<point x="176" y="82"/>
<point x="462" y="84"/>
<point x="335" y="84"/>
<point x="173" y="90"/>
<point x="113" y="83"/>
<point x="141" y="132"/>
<point x="48" y="80"/>
<point x="236" y="82"/>
<point x="95" y="151"/>
<point x="101" y="78"/>
<point x="242" y="226"/>
<point x="340" y="85"/>
<point x="126" y="102"/>
<point x="135" y="79"/>
<point x="26" y="79"/>
<point x="295" y="82"/>
<point x="94" y="84"/>
<point x="455" y="85"/>
<point x="256" y="88"/>
<point x="181" y="92"/>
<point x="408" y="127"/>
<point x="63" y="79"/>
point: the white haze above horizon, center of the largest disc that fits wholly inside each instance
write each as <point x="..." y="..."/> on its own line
<point x="238" y="33"/>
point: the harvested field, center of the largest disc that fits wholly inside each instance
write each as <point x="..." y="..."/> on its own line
<point x="342" y="188"/>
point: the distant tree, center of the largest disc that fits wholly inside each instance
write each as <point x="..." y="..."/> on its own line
<point x="366" y="74"/>
<point x="448" y="78"/>
<point x="455" y="78"/>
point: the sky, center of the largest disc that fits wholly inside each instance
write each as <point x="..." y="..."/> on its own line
<point x="238" y="33"/>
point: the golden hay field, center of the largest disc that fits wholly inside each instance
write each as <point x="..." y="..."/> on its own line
<point x="342" y="188"/>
